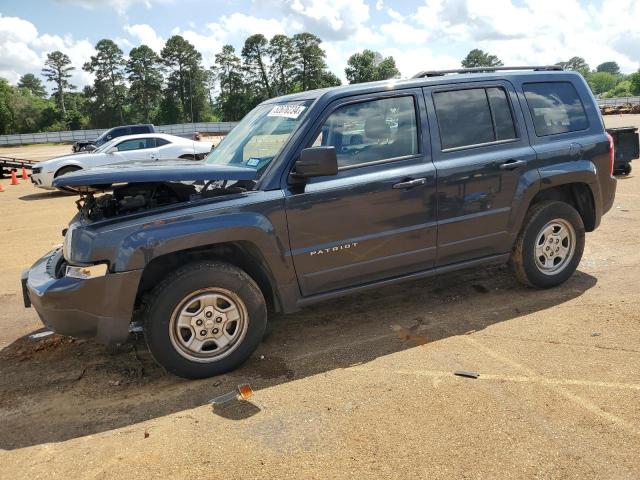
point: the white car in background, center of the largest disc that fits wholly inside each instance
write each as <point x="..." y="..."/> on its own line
<point x="142" y="147"/>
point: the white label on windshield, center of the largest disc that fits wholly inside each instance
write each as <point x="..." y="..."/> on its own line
<point x="289" y="111"/>
<point x="253" y="162"/>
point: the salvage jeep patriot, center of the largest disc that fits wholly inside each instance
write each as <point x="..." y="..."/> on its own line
<point x="322" y="193"/>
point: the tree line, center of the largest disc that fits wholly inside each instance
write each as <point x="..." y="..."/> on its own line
<point x="605" y="80"/>
<point x="173" y="86"/>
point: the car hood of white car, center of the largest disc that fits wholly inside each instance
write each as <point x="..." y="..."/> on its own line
<point x="74" y="156"/>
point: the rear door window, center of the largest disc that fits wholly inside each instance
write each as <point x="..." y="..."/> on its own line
<point x="555" y="108"/>
<point x="473" y="116"/>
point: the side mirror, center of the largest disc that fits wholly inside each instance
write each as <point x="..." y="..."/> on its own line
<point x="316" y="162"/>
<point x="109" y="137"/>
<point x="112" y="150"/>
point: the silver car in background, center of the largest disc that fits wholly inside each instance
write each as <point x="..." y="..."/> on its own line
<point x="143" y="147"/>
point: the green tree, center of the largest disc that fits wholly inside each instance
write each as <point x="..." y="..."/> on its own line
<point x="634" y="79"/>
<point x="109" y="89"/>
<point x="57" y="69"/>
<point x="622" y="89"/>
<point x="254" y="56"/>
<point x="232" y="102"/>
<point x="479" y="58"/>
<point x="187" y="78"/>
<point x="370" y="66"/>
<point x="609" y="67"/>
<point x="310" y="69"/>
<point x="145" y="82"/>
<point x="282" y="59"/>
<point x="576" y="64"/>
<point x="601" y="82"/>
<point x="33" y="84"/>
<point x="6" y="119"/>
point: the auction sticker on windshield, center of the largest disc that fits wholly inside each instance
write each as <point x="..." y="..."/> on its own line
<point x="288" y="111"/>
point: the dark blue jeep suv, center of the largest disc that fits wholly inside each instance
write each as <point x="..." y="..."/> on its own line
<point x="327" y="192"/>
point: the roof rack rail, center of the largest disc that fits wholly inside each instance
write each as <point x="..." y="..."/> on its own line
<point x="437" y="73"/>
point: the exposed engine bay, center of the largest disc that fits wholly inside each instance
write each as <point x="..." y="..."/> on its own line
<point x="134" y="197"/>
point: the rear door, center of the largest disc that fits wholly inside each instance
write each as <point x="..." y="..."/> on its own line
<point x="376" y="218"/>
<point x="481" y="150"/>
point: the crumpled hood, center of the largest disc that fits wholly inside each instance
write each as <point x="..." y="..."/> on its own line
<point x="160" y="171"/>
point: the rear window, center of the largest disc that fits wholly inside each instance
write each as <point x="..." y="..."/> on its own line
<point x="161" y="142"/>
<point x="473" y="116"/>
<point x="555" y="108"/>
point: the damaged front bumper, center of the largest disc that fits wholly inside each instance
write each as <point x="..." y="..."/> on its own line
<point x="99" y="307"/>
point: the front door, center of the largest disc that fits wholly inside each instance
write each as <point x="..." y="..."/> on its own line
<point x="481" y="150"/>
<point x="376" y="218"/>
<point x="139" y="149"/>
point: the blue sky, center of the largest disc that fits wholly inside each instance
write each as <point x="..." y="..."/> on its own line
<point x="420" y="34"/>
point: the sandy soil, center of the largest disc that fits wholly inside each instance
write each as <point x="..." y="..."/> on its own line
<point x="361" y="386"/>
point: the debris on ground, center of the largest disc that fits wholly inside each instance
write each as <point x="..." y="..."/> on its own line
<point x="146" y="434"/>
<point x="467" y="374"/>
<point x="595" y="334"/>
<point x="407" y="335"/>
<point x="38" y="335"/>
<point x="243" y="391"/>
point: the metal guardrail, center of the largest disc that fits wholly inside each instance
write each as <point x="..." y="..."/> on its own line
<point x="73" y="135"/>
<point x="611" y="102"/>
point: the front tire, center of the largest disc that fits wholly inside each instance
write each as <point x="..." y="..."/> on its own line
<point x="549" y="246"/>
<point x="205" y="319"/>
<point x="64" y="171"/>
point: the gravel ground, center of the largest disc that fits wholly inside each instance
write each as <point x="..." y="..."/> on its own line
<point x="361" y="386"/>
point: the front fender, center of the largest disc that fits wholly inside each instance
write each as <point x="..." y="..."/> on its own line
<point x="168" y="236"/>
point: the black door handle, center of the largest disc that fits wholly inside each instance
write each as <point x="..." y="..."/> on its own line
<point x="410" y="183"/>
<point x="512" y="164"/>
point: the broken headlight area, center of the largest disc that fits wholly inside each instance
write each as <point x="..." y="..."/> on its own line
<point x="95" y="205"/>
<point x="86" y="272"/>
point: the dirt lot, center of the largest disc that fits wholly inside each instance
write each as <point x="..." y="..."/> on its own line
<point x="361" y="386"/>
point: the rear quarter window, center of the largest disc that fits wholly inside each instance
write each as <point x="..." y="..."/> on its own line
<point x="555" y="108"/>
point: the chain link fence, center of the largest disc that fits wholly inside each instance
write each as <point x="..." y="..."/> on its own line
<point x="74" y="135"/>
<point x="611" y="102"/>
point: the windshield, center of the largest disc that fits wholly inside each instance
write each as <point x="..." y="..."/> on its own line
<point x="106" y="146"/>
<point x="260" y="135"/>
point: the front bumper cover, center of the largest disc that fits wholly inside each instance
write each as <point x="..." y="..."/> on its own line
<point x="98" y="307"/>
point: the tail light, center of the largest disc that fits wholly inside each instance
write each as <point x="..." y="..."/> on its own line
<point x="612" y="153"/>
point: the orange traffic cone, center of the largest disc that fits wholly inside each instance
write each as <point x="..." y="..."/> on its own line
<point x="14" y="178"/>
<point x="24" y="173"/>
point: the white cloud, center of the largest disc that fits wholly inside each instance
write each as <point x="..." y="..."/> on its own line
<point x="537" y="31"/>
<point x="232" y="29"/>
<point x="120" y="6"/>
<point x="145" y="34"/>
<point x="436" y="34"/>
<point x="24" y="50"/>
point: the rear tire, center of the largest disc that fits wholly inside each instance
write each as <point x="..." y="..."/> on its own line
<point x="549" y="246"/>
<point x="204" y="319"/>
